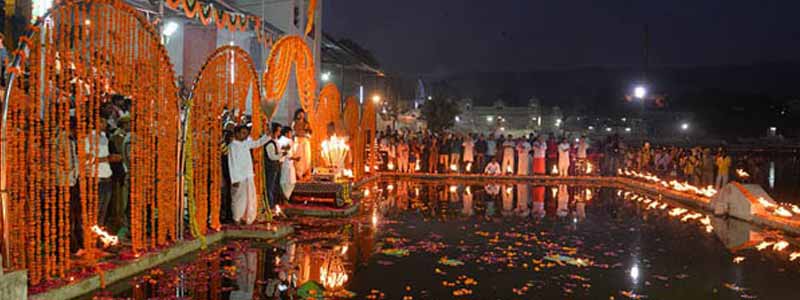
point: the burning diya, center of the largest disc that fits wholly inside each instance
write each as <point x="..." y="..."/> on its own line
<point x="330" y="185"/>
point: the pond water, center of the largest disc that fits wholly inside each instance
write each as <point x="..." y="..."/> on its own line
<point x="460" y="240"/>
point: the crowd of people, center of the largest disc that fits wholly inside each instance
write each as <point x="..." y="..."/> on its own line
<point x="698" y="166"/>
<point x="546" y="154"/>
<point x="428" y="152"/>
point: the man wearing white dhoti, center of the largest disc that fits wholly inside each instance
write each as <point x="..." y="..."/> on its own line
<point x="240" y="165"/>
<point x="288" y="172"/>
<point x="563" y="158"/>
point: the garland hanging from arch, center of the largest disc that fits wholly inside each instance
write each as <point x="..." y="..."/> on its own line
<point x="87" y="51"/>
<point x="287" y="52"/>
<point x="327" y="110"/>
<point x="223" y="84"/>
<point x="207" y="13"/>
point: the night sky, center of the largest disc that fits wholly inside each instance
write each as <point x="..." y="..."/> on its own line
<point x="449" y="36"/>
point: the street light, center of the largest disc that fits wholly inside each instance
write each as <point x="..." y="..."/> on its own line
<point x="685" y="126"/>
<point x="376" y="99"/>
<point x="169" y="28"/>
<point x="640" y="92"/>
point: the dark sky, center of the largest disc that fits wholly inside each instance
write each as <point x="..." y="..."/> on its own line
<point x="446" y="36"/>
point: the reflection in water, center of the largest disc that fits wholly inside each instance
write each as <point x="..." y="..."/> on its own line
<point x="771" y="175"/>
<point x="421" y="244"/>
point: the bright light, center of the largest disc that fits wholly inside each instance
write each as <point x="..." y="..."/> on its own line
<point x="591" y="127"/>
<point x="640" y="92"/>
<point x="326" y="76"/>
<point x="489" y="119"/>
<point x="635" y="273"/>
<point x="624" y="119"/>
<point x="685" y="126"/>
<point x="430" y="97"/>
<point x="376" y="98"/>
<point x="361" y="94"/>
<point x="87" y="22"/>
<point x="608" y="129"/>
<point x="502" y="129"/>
<point x="458" y="119"/>
<point x="627" y="129"/>
<point x="169" y="28"/>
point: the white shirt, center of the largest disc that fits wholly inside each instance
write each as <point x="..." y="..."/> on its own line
<point x="273" y="151"/>
<point x="103" y="168"/>
<point x="493" y="168"/>
<point x="523" y="149"/>
<point x="539" y="149"/>
<point x="240" y="160"/>
<point x="563" y="151"/>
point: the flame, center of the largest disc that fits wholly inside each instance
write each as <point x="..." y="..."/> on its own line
<point x="390" y="187"/>
<point x="453" y="188"/>
<point x="555" y="170"/>
<point x="107" y="239"/>
<point x="469" y="167"/>
<point x="510" y="169"/>
<point x="334" y="151"/>
<point x="794" y="256"/>
<point x="738" y="259"/>
<point x="677" y="211"/>
<point x="779" y="246"/>
<point x="374" y="217"/>
<point x="763" y="245"/>
<point x="795" y="209"/>
<point x="366" y="192"/>
<point x="589" y="168"/>
<point x="783" y="212"/>
<point x="765" y="203"/>
<point x="468" y="191"/>
<point x="278" y="210"/>
<point x="453" y="167"/>
<point x="416" y="167"/>
<point x="691" y="216"/>
<point x="742" y="174"/>
<point x="390" y="166"/>
<point x="708" y="191"/>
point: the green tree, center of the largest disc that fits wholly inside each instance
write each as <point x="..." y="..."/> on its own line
<point x="440" y="113"/>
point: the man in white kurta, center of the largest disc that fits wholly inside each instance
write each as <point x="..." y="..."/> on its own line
<point x="523" y="151"/>
<point x="563" y="158"/>
<point x="240" y="165"/>
<point x="508" y="155"/>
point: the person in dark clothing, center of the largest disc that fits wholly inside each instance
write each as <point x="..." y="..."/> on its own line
<point x="272" y="165"/>
<point x="225" y="214"/>
<point x="480" y="154"/>
<point x="552" y="153"/>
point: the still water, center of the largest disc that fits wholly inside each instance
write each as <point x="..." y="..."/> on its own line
<point x="461" y="240"/>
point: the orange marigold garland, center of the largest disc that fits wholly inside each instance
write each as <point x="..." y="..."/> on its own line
<point x="110" y="49"/>
<point x="224" y="82"/>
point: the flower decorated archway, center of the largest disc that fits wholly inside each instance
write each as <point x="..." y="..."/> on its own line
<point x="225" y="82"/>
<point x="327" y="110"/>
<point x="80" y="54"/>
<point x="287" y="52"/>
